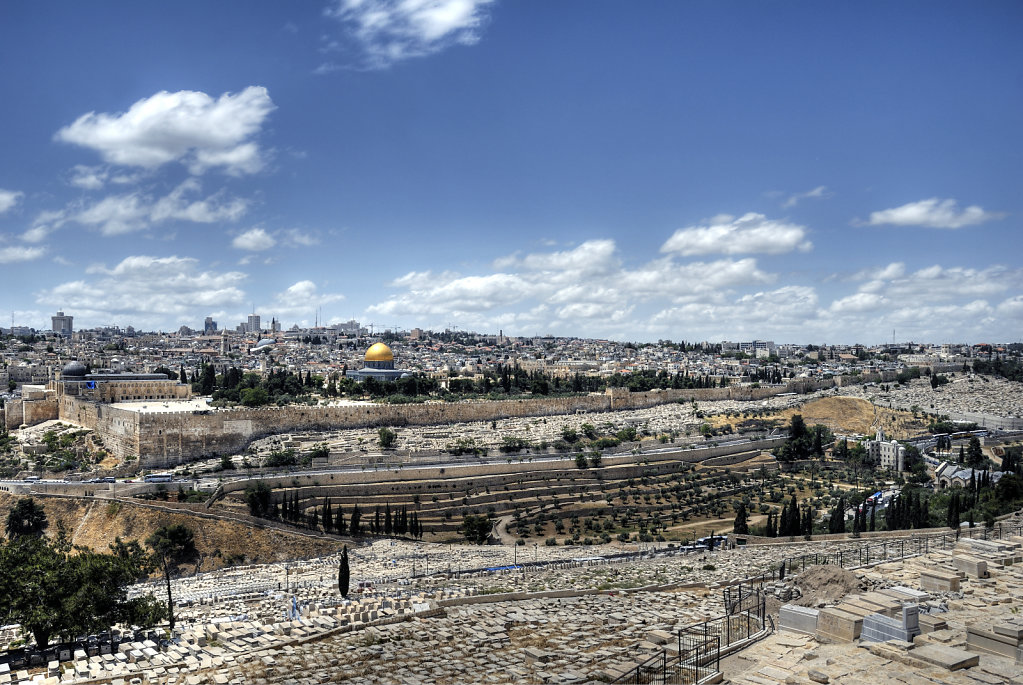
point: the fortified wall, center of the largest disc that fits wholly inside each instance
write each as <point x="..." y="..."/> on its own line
<point x="165" y="438"/>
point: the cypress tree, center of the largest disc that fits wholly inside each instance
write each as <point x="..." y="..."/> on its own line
<point x="356" y="524"/>
<point x="388" y="525"/>
<point x="873" y="511"/>
<point x="339" y="521"/>
<point x="328" y="517"/>
<point x="343" y="573"/>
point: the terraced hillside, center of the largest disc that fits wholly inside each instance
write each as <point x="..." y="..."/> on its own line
<point x="669" y="499"/>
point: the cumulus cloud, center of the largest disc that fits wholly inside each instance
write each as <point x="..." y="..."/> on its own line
<point x="9" y="255"/>
<point x="9" y="198"/>
<point x="215" y="208"/>
<point x="585" y="288"/>
<point x="383" y="32"/>
<point x="254" y="240"/>
<point x="299" y="300"/>
<point x="933" y="213"/>
<point x="119" y="214"/>
<point x="893" y="270"/>
<point x="147" y="290"/>
<point x="749" y="234"/>
<point x="187" y="126"/>
<point x="819" y="191"/>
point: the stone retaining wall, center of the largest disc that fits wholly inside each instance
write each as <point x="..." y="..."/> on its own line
<point x="163" y="439"/>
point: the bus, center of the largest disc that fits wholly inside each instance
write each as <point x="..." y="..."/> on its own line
<point x="159" y="477"/>
<point x="31" y="479"/>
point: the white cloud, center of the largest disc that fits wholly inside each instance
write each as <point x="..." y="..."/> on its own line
<point x="819" y="191"/>
<point x="210" y="210"/>
<point x="254" y="239"/>
<point x="187" y="126"/>
<point x="1011" y="308"/>
<point x="145" y="290"/>
<point x="119" y="214"/>
<point x="299" y="300"/>
<point x="297" y="238"/>
<point x="388" y="31"/>
<point x="9" y="198"/>
<point x="893" y="270"/>
<point x="89" y="177"/>
<point x="859" y="302"/>
<point x="579" y="290"/>
<point x="116" y="214"/>
<point x="933" y="213"/>
<point x="749" y="234"/>
<point x="9" y="255"/>
<point x="45" y="223"/>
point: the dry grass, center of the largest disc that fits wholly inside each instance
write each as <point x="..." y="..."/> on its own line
<point x="96" y="523"/>
<point x="844" y="415"/>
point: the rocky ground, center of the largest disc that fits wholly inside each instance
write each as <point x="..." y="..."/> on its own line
<point x="964" y="394"/>
<point x="571" y="619"/>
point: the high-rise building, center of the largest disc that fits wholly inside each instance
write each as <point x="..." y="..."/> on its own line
<point x="63" y="325"/>
<point x="253" y="324"/>
<point x="209" y="326"/>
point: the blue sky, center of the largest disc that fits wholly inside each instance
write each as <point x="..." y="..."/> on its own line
<point x="796" y="171"/>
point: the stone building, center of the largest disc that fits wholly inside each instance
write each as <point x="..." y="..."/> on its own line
<point x="109" y="387"/>
<point x="889" y="454"/>
<point x="378" y="364"/>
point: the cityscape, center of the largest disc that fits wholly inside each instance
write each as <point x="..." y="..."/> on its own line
<point x="475" y="341"/>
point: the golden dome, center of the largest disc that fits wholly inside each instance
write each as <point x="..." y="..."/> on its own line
<point x="379" y="352"/>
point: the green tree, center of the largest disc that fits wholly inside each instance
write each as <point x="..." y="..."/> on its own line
<point x="207" y="380"/>
<point x="257" y="496"/>
<point x="172" y="546"/>
<point x="741" y="524"/>
<point x="51" y="591"/>
<point x="974" y="454"/>
<point x="476" y="529"/>
<point x="386" y="437"/>
<point x="355" y="525"/>
<point x="343" y="573"/>
<point x="26" y="518"/>
<point x="254" y="397"/>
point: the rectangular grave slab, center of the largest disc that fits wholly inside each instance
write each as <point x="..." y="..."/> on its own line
<point x="971" y="566"/>
<point x="949" y="658"/>
<point x="933" y="580"/>
<point x="798" y="619"/>
<point x="835" y="625"/>
<point x="985" y="640"/>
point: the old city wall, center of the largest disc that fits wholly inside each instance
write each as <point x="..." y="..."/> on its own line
<point x="166" y="438"/>
<point x="116" y="428"/>
<point x="29" y="412"/>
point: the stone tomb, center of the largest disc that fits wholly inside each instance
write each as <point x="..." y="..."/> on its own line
<point x="1004" y="638"/>
<point x="934" y="580"/>
<point x="879" y="628"/>
<point x="836" y="625"/>
<point x="798" y="619"/>
<point x="970" y="565"/>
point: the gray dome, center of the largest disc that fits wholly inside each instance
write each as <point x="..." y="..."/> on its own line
<point x="265" y="342"/>
<point x="73" y="369"/>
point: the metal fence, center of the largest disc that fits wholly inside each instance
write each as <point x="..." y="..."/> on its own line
<point x="701" y="646"/>
<point x="891" y="550"/>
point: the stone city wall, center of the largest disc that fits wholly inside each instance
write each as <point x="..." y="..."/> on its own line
<point x="118" y="429"/>
<point x="166" y="438"/>
<point x="29" y="412"/>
